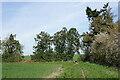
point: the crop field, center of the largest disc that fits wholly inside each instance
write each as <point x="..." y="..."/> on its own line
<point x="52" y="70"/>
<point x="28" y="70"/>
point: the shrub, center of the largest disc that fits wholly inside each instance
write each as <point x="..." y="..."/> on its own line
<point x="104" y="49"/>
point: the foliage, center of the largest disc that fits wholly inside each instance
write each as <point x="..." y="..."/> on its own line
<point x="66" y="44"/>
<point x="104" y="48"/>
<point x="60" y="44"/>
<point x="0" y="44"/>
<point x="76" y="57"/>
<point x="43" y="50"/>
<point x="0" y="48"/>
<point x="73" y="42"/>
<point x="100" y="44"/>
<point x="12" y="49"/>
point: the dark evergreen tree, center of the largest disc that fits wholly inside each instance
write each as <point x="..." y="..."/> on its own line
<point x="12" y="49"/>
<point x="60" y="41"/>
<point x="73" y="43"/>
<point x="43" y="50"/>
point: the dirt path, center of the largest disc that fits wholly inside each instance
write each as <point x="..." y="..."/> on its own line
<point x="57" y="73"/>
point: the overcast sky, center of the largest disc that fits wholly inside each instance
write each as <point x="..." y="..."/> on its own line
<point x="26" y="19"/>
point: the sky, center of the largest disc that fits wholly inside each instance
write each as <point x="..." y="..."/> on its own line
<point x="26" y="19"/>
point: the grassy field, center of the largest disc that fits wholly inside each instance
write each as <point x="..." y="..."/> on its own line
<point x="27" y="57"/>
<point x="28" y="70"/>
<point x="70" y="70"/>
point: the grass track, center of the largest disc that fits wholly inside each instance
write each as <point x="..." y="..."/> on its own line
<point x="71" y="70"/>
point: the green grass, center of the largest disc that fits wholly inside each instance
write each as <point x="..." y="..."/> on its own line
<point x="73" y="70"/>
<point x="27" y="57"/>
<point x="77" y="56"/>
<point x="70" y="70"/>
<point x="28" y="70"/>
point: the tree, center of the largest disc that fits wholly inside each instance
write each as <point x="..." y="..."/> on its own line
<point x="12" y="49"/>
<point x="100" y="21"/>
<point x="60" y="41"/>
<point x="100" y="44"/>
<point x="104" y="49"/>
<point x="0" y="50"/>
<point x="73" y="42"/>
<point x="66" y="44"/>
<point x="0" y="44"/>
<point x="86" y="44"/>
<point x="43" y="50"/>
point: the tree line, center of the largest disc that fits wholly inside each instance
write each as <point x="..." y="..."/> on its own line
<point x="100" y="44"/>
<point x="66" y="44"/>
